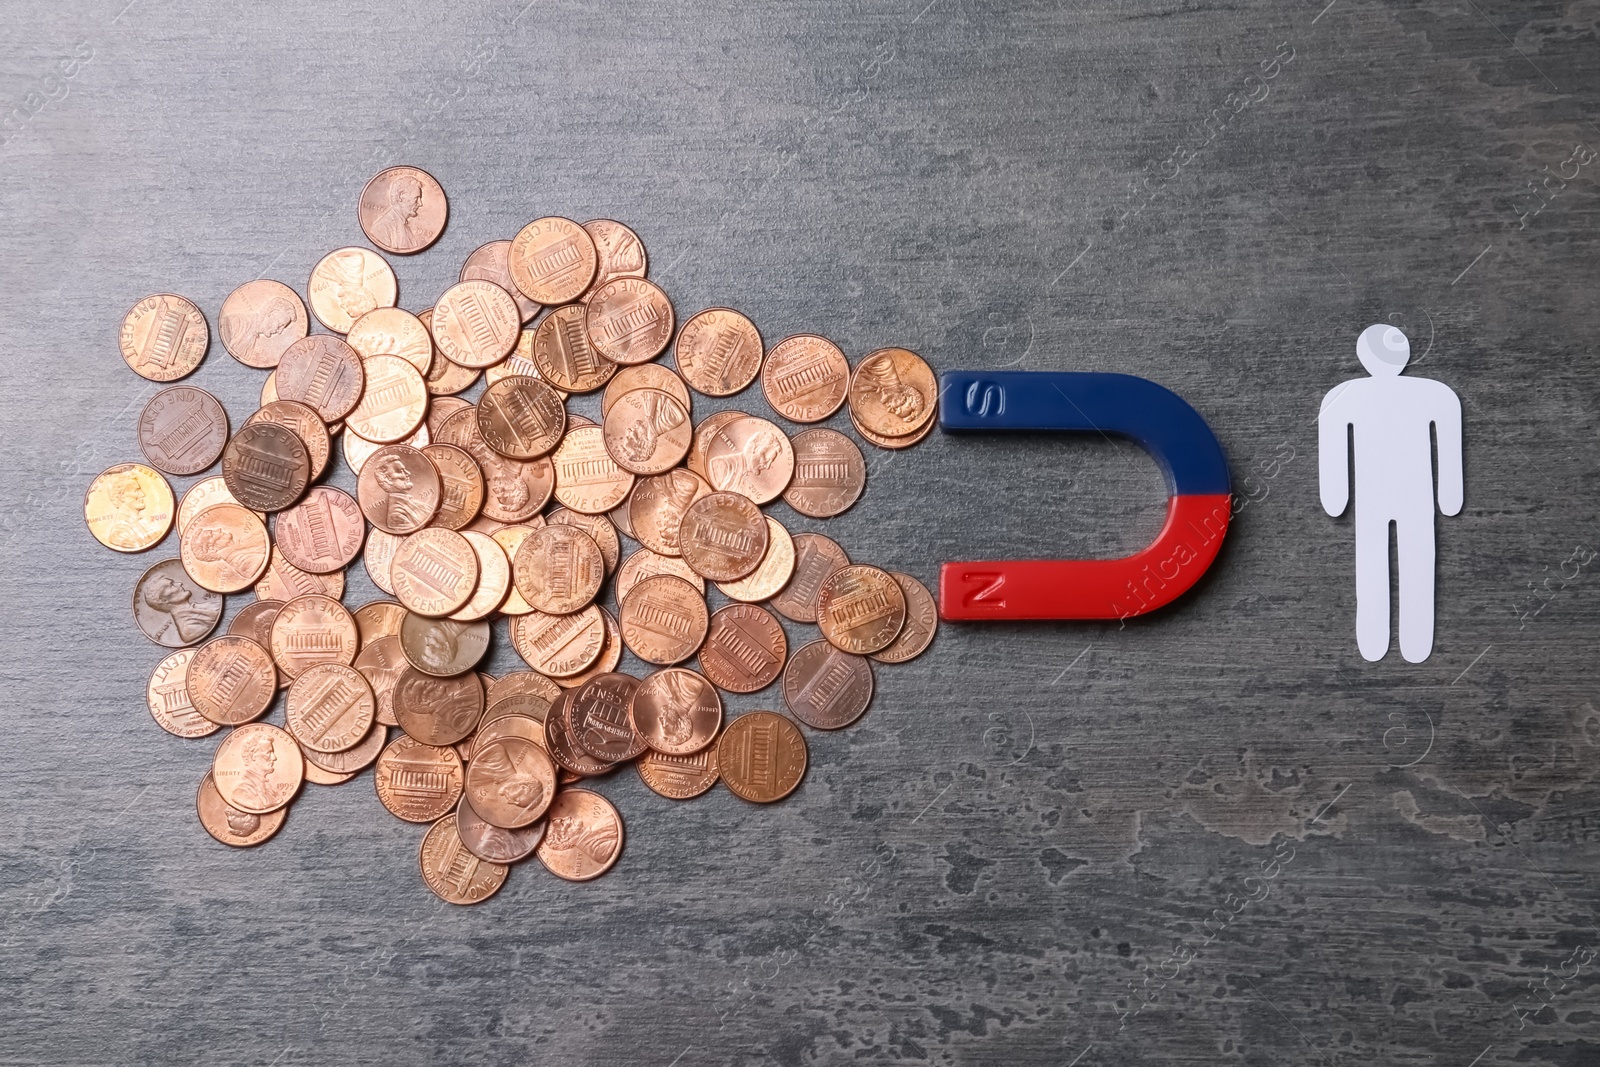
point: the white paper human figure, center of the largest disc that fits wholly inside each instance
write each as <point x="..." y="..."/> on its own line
<point x="1394" y="474"/>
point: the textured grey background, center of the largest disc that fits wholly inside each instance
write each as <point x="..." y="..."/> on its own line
<point x="1012" y="858"/>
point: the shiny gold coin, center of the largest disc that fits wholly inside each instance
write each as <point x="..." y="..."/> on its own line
<point x="129" y="507"/>
<point x="164" y="337"/>
<point x="391" y="331"/>
<point x="226" y="548"/>
<point x="347" y="283"/>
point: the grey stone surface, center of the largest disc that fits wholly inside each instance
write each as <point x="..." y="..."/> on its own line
<point x="1048" y="844"/>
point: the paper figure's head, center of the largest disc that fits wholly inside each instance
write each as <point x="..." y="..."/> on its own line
<point x="1383" y="350"/>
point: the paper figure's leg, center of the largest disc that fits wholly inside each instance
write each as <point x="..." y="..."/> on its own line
<point x="1372" y="584"/>
<point x="1416" y="561"/>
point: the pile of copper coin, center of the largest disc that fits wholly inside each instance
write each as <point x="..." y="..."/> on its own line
<point x="510" y="507"/>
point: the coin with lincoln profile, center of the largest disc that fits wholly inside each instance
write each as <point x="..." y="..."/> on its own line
<point x="171" y="608"/>
<point x="257" y="768"/>
<point x="259" y="320"/>
<point x="403" y="210"/>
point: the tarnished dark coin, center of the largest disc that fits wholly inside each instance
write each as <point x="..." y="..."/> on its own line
<point x="679" y="777"/>
<point x="521" y="417"/>
<point x="829" y="474"/>
<point x="762" y="756"/>
<point x="183" y="430"/>
<point x="322" y="372"/>
<point x="438" y="711"/>
<point x="598" y="720"/>
<point x="825" y="688"/>
<point x="861" y="609"/>
<point x="164" y="337"/>
<point x="816" y="559"/>
<point x="306" y="425"/>
<point x="443" y="647"/>
<point x="171" y="608"/>
<point x="744" y="648"/>
<point x="676" y="711"/>
<point x="922" y="622"/>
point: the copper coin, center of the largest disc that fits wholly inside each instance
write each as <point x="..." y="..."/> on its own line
<point x="829" y="474"/>
<point x="771" y="574"/>
<point x="561" y="746"/>
<point x="128" y="508"/>
<point x="521" y="417"/>
<point x="723" y="536"/>
<point x="647" y="431"/>
<point x="676" y="711"/>
<point x="304" y="422"/>
<point x="240" y="829"/>
<point x="443" y="647"/>
<point x="718" y="352"/>
<point x="322" y="372"/>
<point x="345" y="285"/>
<point x="441" y="408"/>
<point x="351" y="760"/>
<point x="517" y="716"/>
<point x="494" y="578"/>
<point x="163" y="337"/>
<point x="519" y="362"/>
<point x="330" y="708"/>
<point x="394" y="402"/>
<point x="703" y="435"/>
<point x="259" y="320"/>
<point x="565" y="355"/>
<point x="679" y="777"/>
<point x="559" y="569"/>
<point x="560" y="645"/>
<point x="438" y="711"/>
<point x="201" y="495"/>
<point x="378" y="619"/>
<point x="393" y="332"/>
<point x="597" y="718"/>
<point x="806" y="378"/>
<point x="620" y="252"/>
<point x="476" y="324"/>
<point x="492" y="843"/>
<point x="514" y="490"/>
<point x="825" y="688"/>
<point x="752" y="457"/>
<point x="403" y="210"/>
<point x="606" y="662"/>
<point x="266" y="467"/>
<point x="583" y="837"/>
<point x="257" y="768"/>
<point x="269" y="388"/>
<point x="644" y="376"/>
<point x="647" y="564"/>
<point x="510" y="539"/>
<point x="452" y="871"/>
<point x="382" y="663"/>
<point x="491" y="263"/>
<point x="226" y="548"/>
<point x="552" y="260"/>
<point x="284" y="581"/>
<point x="861" y="609"/>
<point x="316" y="775"/>
<point x="232" y="680"/>
<point x="762" y="756"/>
<point x="587" y="478"/>
<point x="445" y="378"/>
<point x="182" y="430"/>
<point x="358" y="451"/>
<point x="629" y="320"/>
<point x="167" y="696"/>
<point x="744" y="648"/>
<point x="816" y="559"/>
<point x="418" y="782"/>
<point x="378" y="556"/>
<point x="922" y="622"/>
<point x="620" y="519"/>
<point x="598" y="527"/>
<point x="663" y="619"/>
<point x="893" y="392"/>
<point x="510" y="781"/>
<point x="310" y="630"/>
<point x="255" y="622"/>
<point x="399" y="489"/>
<point x="894" y="442"/>
<point x="526" y="692"/>
<point x="323" y="532"/>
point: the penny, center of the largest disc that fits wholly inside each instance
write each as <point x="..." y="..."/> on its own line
<point x="526" y="693"/>
<point x="762" y="756"/>
<point x="443" y="647"/>
<point x="564" y="354"/>
<point x="351" y="760"/>
<point x="597" y="718"/>
<point x="598" y="527"/>
<point x="240" y="829"/>
<point x="516" y="716"/>
<point x="679" y="777"/>
<point x="494" y="578"/>
<point x="358" y="451"/>
<point x="377" y="620"/>
<point x="552" y="260"/>
<point x="771" y="574"/>
<point x="861" y="609"/>
<point x="663" y="619"/>
<point x="583" y="836"/>
<point x="255" y="622"/>
<point x="806" y="378"/>
<point x="476" y="324"/>
<point x="560" y="645"/>
<point x="510" y="538"/>
<point x="310" y="630"/>
<point x="752" y="457"/>
<point x="647" y="431"/>
<point x="452" y="871"/>
<point x="438" y="711"/>
<point x="201" y="495"/>
<point x="893" y="392"/>
<point x="346" y="284"/>
<point x="558" y="569"/>
<point x="606" y="662"/>
<point x="266" y="467"/>
<point x="723" y="536"/>
<point x="316" y="775"/>
<point x="167" y="696"/>
<point x="399" y="489"/>
<point x="514" y="490"/>
<point x="304" y="422"/>
<point x="378" y="556"/>
<point x="718" y="352"/>
<point x="259" y="320"/>
<point x="394" y="403"/>
<point x="392" y="332"/>
<point x="322" y="533"/>
<point x="324" y="373"/>
<point x="182" y="430"/>
<point x="647" y="564"/>
<point x="519" y="362"/>
<point x="402" y="210"/>
<point x="521" y="417"/>
<point x="676" y="711"/>
<point x="284" y="581"/>
<point x="744" y="648"/>
<point x="510" y="781"/>
<point x="816" y="559"/>
<point x="643" y="376"/>
<point x="440" y="409"/>
<point x="257" y="768"/>
<point x="232" y="680"/>
<point x="269" y="388"/>
<point x="445" y="378"/>
<point x="629" y="320"/>
<point x="619" y="251"/>
<point x="922" y="622"/>
<point x="894" y="442"/>
<point x="587" y="478"/>
<point x="330" y="708"/>
<point x="492" y="843"/>
<point x="381" y="663"/>
<point x="226" y="548"/>
<point x="829" y="474"/>
<point x="128" y="508"/>
<point x="491" y="263"/>
<point x="825" y="688"/>
<point x="561" y="746"/>
<point x="418" y="782"/>
<point x="163" y="337"/>
<point x="703" y="434"/>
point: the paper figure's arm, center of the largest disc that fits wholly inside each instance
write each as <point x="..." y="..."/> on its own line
<point x="1333" y="452"/>
<point x="1447" y="426"/>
